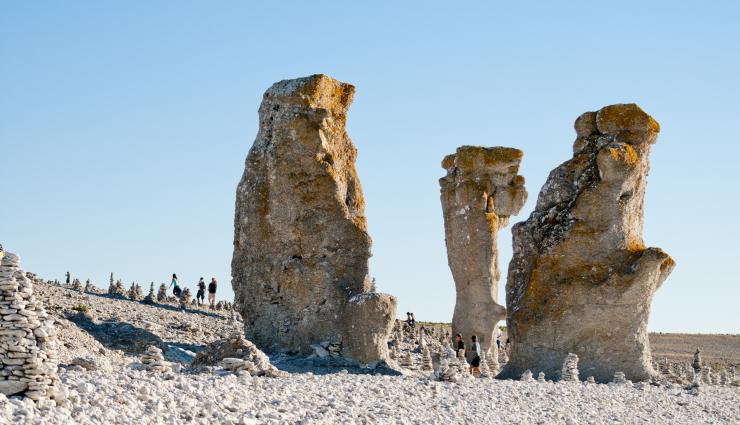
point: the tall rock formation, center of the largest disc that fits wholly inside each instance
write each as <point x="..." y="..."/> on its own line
<point x="479" y="193"/>
<point x="581" y="279"/>
<point x="301" y="247"/>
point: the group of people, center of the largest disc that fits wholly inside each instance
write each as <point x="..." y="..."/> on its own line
<point x="200" y="295"/>
<point x="472" y="355"/>
<point x="410" y="319"/>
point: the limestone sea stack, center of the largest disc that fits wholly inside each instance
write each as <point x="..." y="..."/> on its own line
<point x="479" y="193"/>
<point x="581" y="280"/>
<point x="301" y="248"/>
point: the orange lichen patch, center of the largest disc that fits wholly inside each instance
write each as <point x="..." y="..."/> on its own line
<point x="471" y="157"/>
<point x="518" y="181"/>
<point x="625" y="153"/>
<point x="635" y="246"/>
<point x="620" y="117"/>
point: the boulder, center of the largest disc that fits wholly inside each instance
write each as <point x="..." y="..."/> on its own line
<point x="301" y="248"/>
<point x="581" y="279"/>
<point x="479" y="193"/>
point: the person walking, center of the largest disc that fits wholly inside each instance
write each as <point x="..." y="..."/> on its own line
<point x="67" y="275"/>
<point x="473" y="356"/>
<point x="212" y="292"/>
<point x="176" y="291"/>
<point x="201" y="296"/>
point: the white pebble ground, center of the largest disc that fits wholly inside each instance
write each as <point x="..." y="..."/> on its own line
<point x="128" y="396"/>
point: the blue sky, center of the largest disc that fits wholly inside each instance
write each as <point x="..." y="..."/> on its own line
<point x="124" y="127"/>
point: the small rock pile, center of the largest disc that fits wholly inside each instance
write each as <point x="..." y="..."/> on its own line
<point x="76" y="285"/>
<point x="151" y="298"/>
<point x="619" y="378"/>
<point x="90" y="288"/>
<point x="28" y="362"/>
<point x="116" y="289"/>
<point x="591" y="380"/>
<point x="527" y="376"/>
<point x="162" y="293"/>
<point x="185" y="298"/>
<point x="569" y="372"/>
<point x="407" y="361"/>
<point x="237" y="354"/>
<point x="493" y="363"/>
<point x="134" y="293"/>
<point x="541" y="378"/>
<point x="485" y="371"/>
<point x="154" y="361"/>
<point x="426" y="360"/>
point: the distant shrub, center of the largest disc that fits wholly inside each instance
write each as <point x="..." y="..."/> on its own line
<point x="82" y="308"/>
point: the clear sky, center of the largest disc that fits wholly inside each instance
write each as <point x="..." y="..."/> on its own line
<point x="124" y="127"/>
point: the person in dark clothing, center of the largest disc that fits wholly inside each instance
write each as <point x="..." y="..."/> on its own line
<point x="67" y="275"/>
<point x="212" y="292"/>
<point x="459" y="345"/>
<point x="201" y="295"/>
<point x="473" y="356"/>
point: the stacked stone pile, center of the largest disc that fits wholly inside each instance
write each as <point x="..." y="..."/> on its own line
<point x="541" y="377"/>
<point x="135" y="293"/>
<point x="407" y="361"/>
<point x="493" y="363"/>
<point x="697" y="363"/>
<point x="150" y="298"/>
<point x="76" y="285"/>
<point x="116" y="289"/>
<point x="237" y="354"/>
<point x="162" y="293"/>
<point x="154" y="361"/>
<point x="569" y="372"/>
<point x="90" y="288"/>
<point x="485" y="371"/>
<point x="28" y="362"/>
<point x="426" y="360"/>
<point x="185" y="298"/>
<point x="527" y="376"/>
<point x="619" y="378"/>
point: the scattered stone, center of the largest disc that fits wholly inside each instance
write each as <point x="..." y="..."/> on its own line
<point x="479" y="193"/>
<point x="300" y="211"/>
<point x="227" y="351"/>
<point x="580" y="269"/>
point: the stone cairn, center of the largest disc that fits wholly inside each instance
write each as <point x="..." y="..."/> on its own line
<point x="569" y="372"/>
<point x="28" y="362"/>
<point x="480" y="191"/>
<point x="619" y="378"/>
<point x="151" y="298"/>
<point x="485" y="371"/>
<point x="135" y="293"/>
<point x="527" y="376"/>
<point x="116" y="289"/>
<point x="582" y="248"/>
<point x="407" y="362"/>
<point x="300" y="209"/>
<point x="162" y="293"/>
<point x="697" y="363"/>
<point x="541" y="378"/>
<point x="493" y="364"/>
<point x="449" y="370"/>
<point x="426" y="360"/>
<point x="90" y="288"/>
<point x="76" y="285"/>
<point x="185" y="298"/>
<point x="154" y="361"/>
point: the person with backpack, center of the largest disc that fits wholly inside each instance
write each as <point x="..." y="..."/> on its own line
<point x="200" y="297"/>
<point x="212" y="292"/>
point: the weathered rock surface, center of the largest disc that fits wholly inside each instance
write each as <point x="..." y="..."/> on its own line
<point x="479" y="193"/>
<point x="581" y="279"/>
<point x="301" y="247"/>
